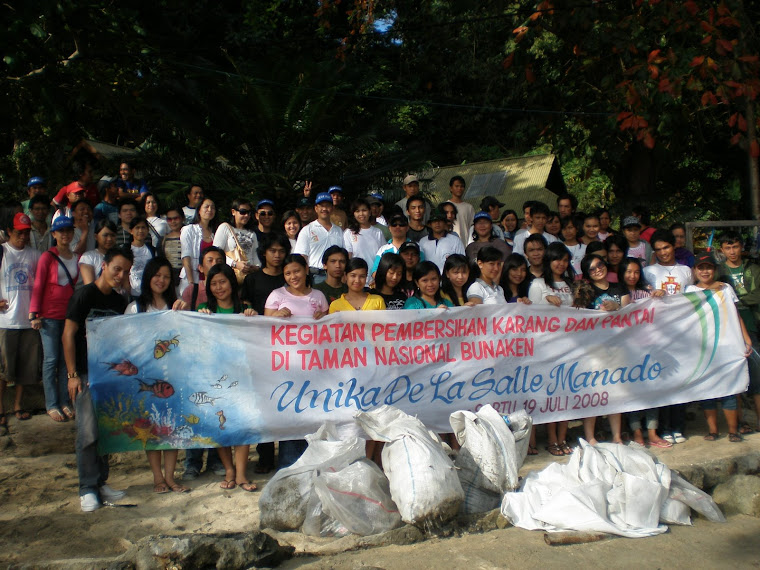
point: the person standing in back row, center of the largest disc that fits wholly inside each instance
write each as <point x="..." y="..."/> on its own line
<point x="465" y="211"/>
<point x="316" y="237"/>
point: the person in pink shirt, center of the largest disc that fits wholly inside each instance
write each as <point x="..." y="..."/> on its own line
<point x="57" y="274"/>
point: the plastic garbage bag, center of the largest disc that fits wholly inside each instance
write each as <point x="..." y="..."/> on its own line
<point x="357" y="498"/>
<point x="489" y="460"/>
<point x="423" y="480"/>
<point x="284" y="499"/>
<point x="683" y="491"/>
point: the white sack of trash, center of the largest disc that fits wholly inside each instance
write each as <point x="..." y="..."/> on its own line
<point x="608" y="488"/>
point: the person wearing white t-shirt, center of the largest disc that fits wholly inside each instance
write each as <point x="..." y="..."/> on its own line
<point x="666" y="274"/>
<point x="486" y="289"/>
<point x="362" y="239"/>
<point x="465" y="211"/>
<point x="317" y="236"/>
<point x="19" y="342"/>
<point x="539" y="214"/>
<point x="439" y="243"/>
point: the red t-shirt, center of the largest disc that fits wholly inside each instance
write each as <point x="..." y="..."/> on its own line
<point x="90" y="194"/>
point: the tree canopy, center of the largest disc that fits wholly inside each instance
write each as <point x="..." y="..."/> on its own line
<point x="647" y="101"/>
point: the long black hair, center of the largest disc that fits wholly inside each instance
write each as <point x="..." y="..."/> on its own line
<point x="422" y="269"/>
<point x="388" y="261"/>
<point x="146" y="295"/>
<point x="226" y="270"/>
<point x="456" y="261"/>
<point x="554" y="252"/>
<point x="353" y="225"/>
<point x="515" y="261"/>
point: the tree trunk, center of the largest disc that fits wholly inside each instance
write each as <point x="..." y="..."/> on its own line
<point x="754" y="171"/>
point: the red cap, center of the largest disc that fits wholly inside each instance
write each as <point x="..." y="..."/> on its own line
<point x="22" y="222"/>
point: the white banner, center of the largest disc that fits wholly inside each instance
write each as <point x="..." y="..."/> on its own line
<point x="178" y="379"/>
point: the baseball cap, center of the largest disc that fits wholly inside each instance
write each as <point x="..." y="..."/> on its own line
<point x="409" y="245"/>
<point x="631" y="221"/>
<point x="264" y="202"/>
<point x="482" y="216"/>
<point x="411" y="178"/>
<point x="437" y="216"/>
<point x="323" y="197"/>
<point x="706" y="257"/>
<point x="373" y="199"/>
<point x="398" y="219"/>
<point x="36" y="181"/>
<point x="303" y="203"/>
<point x="22" y="222"/>
<point x="61" y="223"/>
<point x="489" y="201"/>
<point x="105" y="182"/>
<point x="334" y="189"/>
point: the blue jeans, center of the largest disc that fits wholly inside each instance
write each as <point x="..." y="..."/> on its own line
<point x="194" y="460"/>
<point x="651" y="415"/>
<point x="54" y="379"/>
<point x="291" y="451"/>
<point x="92" y="467"/>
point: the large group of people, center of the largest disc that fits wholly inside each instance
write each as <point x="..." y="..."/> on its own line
<point x="110" y="248"/>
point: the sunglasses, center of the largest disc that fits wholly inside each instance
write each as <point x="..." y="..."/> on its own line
<point x="173" y="218"/>
<point x="244" y="212"/>
<point x="397" y="225"/>
<point x="597" y="267"/>
<point x="263" y="213"/>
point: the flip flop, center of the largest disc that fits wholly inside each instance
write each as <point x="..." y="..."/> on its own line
<point x="56" y="415"/>
<point x="746" y="429"/>
<point x="177" y="488"/>
<point x="227" y="484"/>
<point x="68" y="412"/>
<point x="662" y="444"/>
<point x="22" y="415"/>
<point x="161" y="489"/>
<point x="712" y="436"/>
<point x="248" y="487"/>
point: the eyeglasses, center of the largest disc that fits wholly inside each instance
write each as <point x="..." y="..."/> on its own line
<point x="173" y="218"/>
<point x="244" y="212"/>
<point x="263" y="213"/>
<point x="597" y="267"/>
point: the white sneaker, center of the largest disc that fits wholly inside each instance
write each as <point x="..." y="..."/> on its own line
<point x="669" y="438"/>
<point x="89" y="502"/>
<point x="108" y="494"/>
<point x="679" y="437"/>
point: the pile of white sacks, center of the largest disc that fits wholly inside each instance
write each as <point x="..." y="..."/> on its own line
<point x="333" y="490"/>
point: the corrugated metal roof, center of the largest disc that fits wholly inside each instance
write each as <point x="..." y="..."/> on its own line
<point x="103" y="150"/>
<point x="511" y="180"/>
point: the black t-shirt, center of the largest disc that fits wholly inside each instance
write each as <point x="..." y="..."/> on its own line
<point x="615" y="292"/>
<point x="407" y="287"/>
<point x="86" y="303"/>
<point x="394" y="301"/>
<point x="257" y="287"/>
<point x="331" y="293"/>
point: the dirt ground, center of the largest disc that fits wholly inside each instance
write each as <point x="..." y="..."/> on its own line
<point x="41" y="515"/>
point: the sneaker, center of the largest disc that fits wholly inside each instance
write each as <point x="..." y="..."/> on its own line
<point x="678" y="437"/>
<point x="111" y="495"/>
<point x="89" y="502"/>
<point x="190" y="475"/>
<point x="669" y="438"/>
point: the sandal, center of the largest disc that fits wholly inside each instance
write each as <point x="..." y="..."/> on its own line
<point x="566" y="449"/>
<point x="177" y="488"/>
<point x="160" y="488"/>
<point x="745" y="429"/>
<point x="735" y="438"/>
<point x="227" y="484"/>
<point x="248" y="487"/>
<point x="532" y="450"/>
<point x="555" y="449"/>
<point x="68" y="412"/>
<point x="56" y="415"/>
<point x="711" y="437"/>
<point x="22" y="415"/>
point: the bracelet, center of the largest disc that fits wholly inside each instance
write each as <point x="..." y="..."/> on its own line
<point x="72" y="375"/>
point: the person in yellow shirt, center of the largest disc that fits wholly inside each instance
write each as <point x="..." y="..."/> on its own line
<point x="357" y="299"/>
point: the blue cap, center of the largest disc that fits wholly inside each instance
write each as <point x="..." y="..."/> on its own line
<point x="36" y="181"/>
<point x="264" y="202"/>
<point x="482" y="216"/>
<point x="61" y="223"/>
<point x="323" y="197"/>
<point x="334" y="189"/>
<point x="377" y="196"/>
